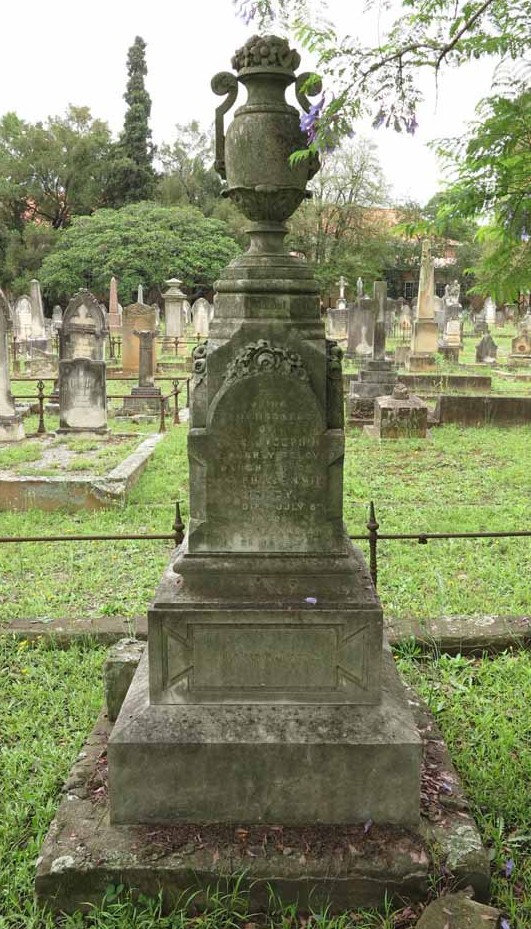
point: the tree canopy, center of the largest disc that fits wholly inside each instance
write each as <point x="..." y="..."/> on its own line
<point x="139" y="243"/>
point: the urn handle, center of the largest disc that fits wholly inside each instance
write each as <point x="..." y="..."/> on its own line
<point x="312" y="90"/>
<point x="223" y="83"/>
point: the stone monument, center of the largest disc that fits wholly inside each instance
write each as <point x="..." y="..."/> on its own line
<point x="489" y="312"/>
<point x="23" y="319"/>
<point x="114" y="319"/>
<point x="201" y="312"/>
<point x="145" y="398"/>
<point x="486" y="350"/>
<point x="140" y="317"/>
<point x="38" y="328"/>
<point x="376" y="376"/>
<point x="424" y="340"/>
<point x="267" y="695"/>
<point x="82" y="382"/>
<point x="11" y="428"/>
<point x="174" y="301"/>
<point x="399" y="416"/>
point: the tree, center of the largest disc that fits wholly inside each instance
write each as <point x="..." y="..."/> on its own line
<point x="131" y="173"/>
<point x="141" y="242"/>
<point x="383" y="81"/>
<point x="492" y="182"/>
<point x="54" y="170"/>
<point x="188" y="173"/>
<point x="339" y="230"/>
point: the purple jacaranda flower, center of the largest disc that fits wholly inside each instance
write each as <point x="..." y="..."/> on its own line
<point x="368" y="826"/>
<point x="504" y="923"/>
<point x="245" y="10"/>
<point x="311" y="600"/>
<point x="310" y="119"/>
<point x="509" y="867"/>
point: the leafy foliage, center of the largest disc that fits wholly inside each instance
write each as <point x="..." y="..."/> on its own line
<point x="383" y="80"/>
<point x="131" y="173"/>
<point x="54" y="170"/>
<point x="140" y="242"/>
<point x="188" y="173"/>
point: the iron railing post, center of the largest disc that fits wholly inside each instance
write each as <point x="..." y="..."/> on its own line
<point x="372" y="526"/>
<point x="41" y="428"/>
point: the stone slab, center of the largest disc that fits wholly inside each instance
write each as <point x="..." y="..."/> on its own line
<point x="458" y="911"/>
<point x="335" y="764"/>
<point x="76" y="493"/>
<point x="118" y="672"/>
<point x="348" y="866"/>
<point x="481" y="411"/>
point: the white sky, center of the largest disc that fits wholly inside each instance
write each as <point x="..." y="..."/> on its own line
<point x="59" y="52"/>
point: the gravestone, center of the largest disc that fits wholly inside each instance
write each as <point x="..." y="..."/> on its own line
<point x="23" y="319"/>
<point x="57" y="318"/>
<point x="521" y="346"/>
<point x="140" y="317"/>
<point x="140" y="294"/>
<point x="424" y="340"/>
<point x="174" y="301"/>
<point x="82" y="382"/>
<point x="201" y="312"/>
<point x="266" y="696"/>
<point x="399" y="416"/>
<point x="489" y="312"/>
<point x="486" y="350"/>
<point x="376" y="375"/>
<point x="361" y="318"/>
<point x="145" y="398"/>
<point x="11" y="428"/>
<point x="114" y="319"/>
<point x="337" y="322"/>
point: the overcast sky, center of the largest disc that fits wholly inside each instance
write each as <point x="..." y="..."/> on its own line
<point x="58" y="52"/>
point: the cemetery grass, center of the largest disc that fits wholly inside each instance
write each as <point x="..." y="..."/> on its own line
<point x="459" y="480"/>
<point x="50" y="698"/>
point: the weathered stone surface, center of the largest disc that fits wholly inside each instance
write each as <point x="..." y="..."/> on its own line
<point x="11" y="428"/>
<point x="398" y="418"/>
<point x="118" y="672"/>
<point x="82" y="396"/>
<point x="265" y="763"/>
<point x="140" y="317"/>
<point x="458" y="911"/>
<point x="482" y="411"/>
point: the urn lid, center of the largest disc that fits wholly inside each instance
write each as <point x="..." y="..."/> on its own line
<point x="267" y="52"/>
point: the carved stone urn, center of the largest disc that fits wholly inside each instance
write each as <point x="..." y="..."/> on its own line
<point x="254" y="156"/>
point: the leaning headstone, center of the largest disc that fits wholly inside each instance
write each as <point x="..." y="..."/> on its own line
<point x="82" y="382"/>
<point x="266" y="695"/>
<point x="174" y="300"/>
<point x="486" y="350"/>
<point x="11" y="428"/>
<point x="201" y="316"/>
<point x="140" y="317"/>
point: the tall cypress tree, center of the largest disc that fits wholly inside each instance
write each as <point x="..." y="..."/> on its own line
<point x="131" y="175"/>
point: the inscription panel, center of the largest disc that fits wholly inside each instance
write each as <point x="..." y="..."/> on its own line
<point x="275" y="657"/>
<point x="266" y="467"/>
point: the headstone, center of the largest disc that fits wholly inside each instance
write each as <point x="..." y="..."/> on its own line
<point x="174" y="301"/>
<point x="23" y="319"/>
<point x="11" y="428"/>
<point x="187" y="312"/>
<point x="57" y="318"/>
<point x="486" y="350"/>
<point x="361" y="319"/>
<point x="114" y="319"/>
<point x="521" y="346"/>
<point x="337" y="322"/>
<point x="140" y="294"/>
<point x="265" y="696"/>
<point x="489" y="311"/>
<point x="82" y="382"/>
<point x="341" y="303"/>
<point x="201" y="316"/>
<point x="424" y="340"/>
<point x="140" y="317"/>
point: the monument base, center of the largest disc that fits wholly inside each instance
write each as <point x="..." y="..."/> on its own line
<point x="142" y="400"/>
<point x="344" y="867"/>
<point x="11" y="429"/>
<point x="421" y="362"/>
<point x="272" y="763"/>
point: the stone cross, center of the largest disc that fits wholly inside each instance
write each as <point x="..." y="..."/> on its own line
<point x="146" y="371"/>
<point x="342" y="284"/>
